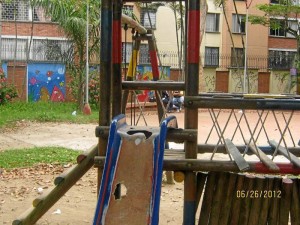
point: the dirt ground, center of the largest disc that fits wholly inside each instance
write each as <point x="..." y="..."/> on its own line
<point x="18" y="188"/>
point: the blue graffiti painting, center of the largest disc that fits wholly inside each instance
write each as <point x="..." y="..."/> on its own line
<point x="46" y="82"/>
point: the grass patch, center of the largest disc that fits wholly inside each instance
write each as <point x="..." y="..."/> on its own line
<point x="43" y="112"/>
<point x="29" y="157"/>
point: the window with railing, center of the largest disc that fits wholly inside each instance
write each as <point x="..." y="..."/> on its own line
<point x="281" y="59"/>
<point x="144" y="54"/>
<point x="127" y="10"/>
<point x="237" y="57"/>
<point x="51" y="50"/>
<point x="282" y="28"/>
<point x="238" y="23"/>
<point x="212" y="22"/>
<point x="211" y="56"/>
<point x="40" y="50"/>
<point x="13" y="49"/>
<point x="126" y="52"/>
<point x="148" y="18"/>
<point x="15" y="10"/>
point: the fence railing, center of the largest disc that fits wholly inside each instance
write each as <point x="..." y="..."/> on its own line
<point x="62" y="50"/>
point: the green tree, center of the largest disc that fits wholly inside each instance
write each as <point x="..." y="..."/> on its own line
<point x="71" y="17"/>
<point x="283" y="17"/>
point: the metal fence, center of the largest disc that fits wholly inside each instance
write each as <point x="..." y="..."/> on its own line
<point x="61" y="50"/>
<point x="43" y="50"/>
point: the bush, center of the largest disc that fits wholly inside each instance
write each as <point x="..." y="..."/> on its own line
<point x="94" y="90"/>
<point x="7" y="91"/>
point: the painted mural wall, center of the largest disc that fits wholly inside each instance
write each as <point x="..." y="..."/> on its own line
<point x="144" y="73"/>
<point x="46" y="82"/>
<point x="4" y="68"/>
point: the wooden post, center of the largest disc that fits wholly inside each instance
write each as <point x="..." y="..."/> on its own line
<point x="246" y="200"/>
<point x="237" y="200"/>
<point x="230" y="194"/>
<point x="256" y="200"/>
<point x="274" y="209"/>
<point x="105" y="74"/>
<point x="218" y="198"/>
<point x="295" y="207"/>
<point x="268" y="188"/>
<point x="191" y="115"/>
<point x="201" y="179"/>
<point x="207" y="199"/>
<point x="286" y="199"/>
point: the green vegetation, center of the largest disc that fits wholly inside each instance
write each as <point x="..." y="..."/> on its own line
<point x="17" y="158"/>
<point x="43" y="112"/>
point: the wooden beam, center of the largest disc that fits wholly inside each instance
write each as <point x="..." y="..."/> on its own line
<point x="235" y="153"/>
<point x="283" y="151"/>
<point x="264" y="158"/>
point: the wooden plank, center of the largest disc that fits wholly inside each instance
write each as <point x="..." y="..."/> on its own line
<point x="246" y="200"/>
<point x="218" y="198"/>
<point x="228" y="200"/>
<point x="285" y="203"/>
<point x="201" y="179"/>
<point x="257" y="199"/>
<point x="237" y="201"/>
<point x="295" y="207"/>
<point x="238" y="158"/>
<point x="273" y="217"/>
<point x="268" y="188"/>
<point x="283" y="151"/>
<point x="264" y="158"/>
<point x="207" y="199"/>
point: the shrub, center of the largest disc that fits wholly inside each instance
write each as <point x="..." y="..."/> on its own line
<point x="7" y="91"/>
<point x="94" y="89"/>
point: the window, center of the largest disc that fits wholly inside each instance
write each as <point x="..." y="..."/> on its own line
<point x="126" y="52"/>
<point x="285" y="2"/>
<point x="281" y="59"/>
<point x="8" y="49"/>
<point x="282" y="28"/>
<point x="238" y="23"/>
<point x="144" y="54"/>
<point x="145" y="21"/>
<point x="237" y="57"/>
<point x="51" y="50"/>
<point x="212" y="22"/>
<point x="128" y="10"/>
<point x="211" y="56"/>
<point x="16" y="10"/>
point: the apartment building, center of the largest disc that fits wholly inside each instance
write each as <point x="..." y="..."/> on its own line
<point x="269" y="52"/>
<point x="32" y="50"/>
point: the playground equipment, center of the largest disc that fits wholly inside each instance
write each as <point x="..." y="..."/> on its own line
<point x="250" y="147"/>
<point x="141" y="179"/>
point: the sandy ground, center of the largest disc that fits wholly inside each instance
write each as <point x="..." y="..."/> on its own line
<point x="20" y="187"/>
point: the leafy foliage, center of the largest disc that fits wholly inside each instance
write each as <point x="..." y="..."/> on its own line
<point x="7" y="91"/>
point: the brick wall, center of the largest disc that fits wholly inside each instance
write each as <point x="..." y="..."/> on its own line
<point x="287" y="43"/>
<point x="43" y="29"/>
